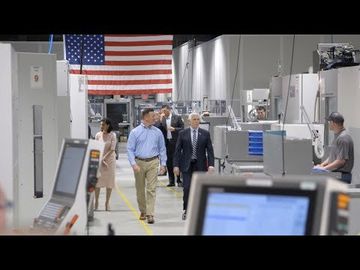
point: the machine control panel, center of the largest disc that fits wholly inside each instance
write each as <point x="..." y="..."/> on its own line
<point x="51" y="216"/>
<point x="92" y="180"/>
<point x="76" y="178"/>
<point x="339" y="213"/>
<point x="92" y="170"/>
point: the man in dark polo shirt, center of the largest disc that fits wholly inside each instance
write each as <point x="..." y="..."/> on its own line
<point x="341" y="157"/>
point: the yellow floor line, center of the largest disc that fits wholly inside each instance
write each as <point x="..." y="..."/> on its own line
<point x="178" y="194"/>
<point x="133" y="210"/>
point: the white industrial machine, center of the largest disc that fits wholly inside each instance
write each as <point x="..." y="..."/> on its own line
<point x="259" y="97"/>
<point x="63" y="102"/>
<point x="335" y="55"/>
<point x="291" y="205"/>
<point x="354" y="224"/>
<point x="303" y="89"/>
<point x="29" y="138"/>
<point x="275" y="97"/>
<point x="285" y="154"/>
<point x="66" y="211"/>
<point x="215" y="120"/>
<point x="244" y="150"/>
<point x="303" y="131"/>
<point x="250" y="99"/>
<point x="204" y="125"/>
<point x="340" y="92"/>
<point x="79" y="105"/>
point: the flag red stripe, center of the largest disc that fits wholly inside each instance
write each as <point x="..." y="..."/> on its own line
<point x="136" y="63"/>
<point x="132" y="35"/>
<point x="126" y="53"/>
<point x="130" y="92"/>
<point x="122" y="72"/>
<point x="138" y="43"/>
<point x="128" y="82"/>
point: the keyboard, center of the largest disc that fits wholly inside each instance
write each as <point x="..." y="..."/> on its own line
<point x="52" y="210"/>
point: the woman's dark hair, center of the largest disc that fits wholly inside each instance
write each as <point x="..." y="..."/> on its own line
<point x="166" y="106"/>
<point x="108" y="121"/>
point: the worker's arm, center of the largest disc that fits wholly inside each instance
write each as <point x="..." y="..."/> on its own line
<point x="177" y="154"/>
<point x="131" y="146"/>
<point x="337" y="163"/>
<point x="162" y="149"/>
<point x="323" y="164"/>
<point x="341" y="157"/>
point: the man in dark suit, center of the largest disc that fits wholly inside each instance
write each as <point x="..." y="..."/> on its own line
<point x="157" y="122"/>
<point x="163" y="131"/>
<point x="171" y="125"/>
<point x="193" y="152"/>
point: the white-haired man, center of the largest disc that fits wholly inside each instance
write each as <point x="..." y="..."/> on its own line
<point x="193" y="152"/>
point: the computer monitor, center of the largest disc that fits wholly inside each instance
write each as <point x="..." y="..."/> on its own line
<point x="118" y="112"/>
<point x="70" y="166"/>
<point x="255" y="211"/>
<point x="234" y="205"/>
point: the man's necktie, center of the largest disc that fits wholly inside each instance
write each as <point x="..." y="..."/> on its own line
<point x="194" y="145"/>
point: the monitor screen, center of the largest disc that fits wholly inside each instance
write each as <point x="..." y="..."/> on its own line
<point x="117" y="112"/>
<point x="255" y="211"/>
<point x="70" y="168"/>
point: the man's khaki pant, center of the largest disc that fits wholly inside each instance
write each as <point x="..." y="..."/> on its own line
<point x="146" y="178"/>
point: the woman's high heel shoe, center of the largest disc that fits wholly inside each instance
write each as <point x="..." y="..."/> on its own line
<point x="96" y="205"/>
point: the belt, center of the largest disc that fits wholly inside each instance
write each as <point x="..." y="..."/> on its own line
<point x="343" y="173"/>
<point x="147" y="159"/>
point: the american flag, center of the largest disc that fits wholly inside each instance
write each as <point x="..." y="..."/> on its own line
<point x="122" y="64"/>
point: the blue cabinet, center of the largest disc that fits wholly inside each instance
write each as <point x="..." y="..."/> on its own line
<point x="255" y="143"/>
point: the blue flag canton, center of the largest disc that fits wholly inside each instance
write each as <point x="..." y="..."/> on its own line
<point x="93" y="49"/>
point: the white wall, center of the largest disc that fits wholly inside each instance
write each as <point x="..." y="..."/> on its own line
<point x="352" y="39"/>
<point x="214" y="62"/>
<point x="348" y="100"/>
<point x="39" y="47"/>
<point x="213" y="69"/>
<point x="260" y="60"/>
<point x="349" y="94"/>
<point x="181" y="56"/>
<point x="303" y="52"/>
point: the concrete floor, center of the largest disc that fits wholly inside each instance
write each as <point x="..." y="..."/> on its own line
<point x="124" y="213"/>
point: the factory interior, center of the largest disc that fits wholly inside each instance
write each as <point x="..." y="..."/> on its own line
<point x="275" y="147"/>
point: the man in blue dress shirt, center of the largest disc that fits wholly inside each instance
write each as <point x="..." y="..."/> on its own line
<point x="145" y="146"/>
